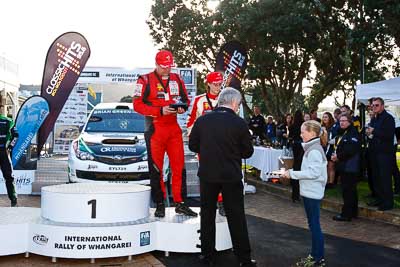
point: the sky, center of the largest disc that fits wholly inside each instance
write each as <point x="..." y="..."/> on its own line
<point x="116" y="31"/>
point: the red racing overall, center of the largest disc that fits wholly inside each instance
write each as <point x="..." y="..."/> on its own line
<point x="202" y="104"/>
<point x="163" y="133"/>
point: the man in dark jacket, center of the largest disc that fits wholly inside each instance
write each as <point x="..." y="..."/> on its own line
<point x="222" y="150"/>
<point x="381" y="133"/>
<point x="257" y="123"/>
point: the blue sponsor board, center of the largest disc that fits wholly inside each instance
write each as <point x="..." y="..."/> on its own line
<point x="187" y="76"/>
<point x="144" y="238"/>
<point x="30" y="117"/>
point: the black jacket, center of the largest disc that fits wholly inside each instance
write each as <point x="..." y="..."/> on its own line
<point x="257" y="125"/>
<point x="222" y="139"/>
<point x="348" y="150"/>
<point x="295" y="133"/>
<point x="383" y="134"/>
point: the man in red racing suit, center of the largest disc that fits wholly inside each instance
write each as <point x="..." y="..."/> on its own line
<point x="205" y="103"/>
<point x="154" y="93"/>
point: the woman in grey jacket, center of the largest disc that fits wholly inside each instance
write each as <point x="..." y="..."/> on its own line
<point x="312" y="178"/>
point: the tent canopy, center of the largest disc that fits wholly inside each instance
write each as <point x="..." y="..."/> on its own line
<point x="388" y="90"/>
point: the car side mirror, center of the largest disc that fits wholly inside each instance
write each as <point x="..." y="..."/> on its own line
<point x="80" y="128"/>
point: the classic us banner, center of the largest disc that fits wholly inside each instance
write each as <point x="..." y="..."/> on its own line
<point x="29" y="119"/>
<point x="232" y="61"/>
<point x="65" y="60"/>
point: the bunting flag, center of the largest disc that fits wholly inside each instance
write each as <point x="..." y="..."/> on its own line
<point x="29" y="119"/>
<point x="232" y="61"/>
<point x="91" y="92"/>
<point x="65" y="60"/>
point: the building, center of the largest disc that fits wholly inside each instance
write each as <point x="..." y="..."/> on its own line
<point x="9" y="85"/>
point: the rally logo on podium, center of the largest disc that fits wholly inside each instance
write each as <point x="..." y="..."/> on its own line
<point x="144" y="238"/>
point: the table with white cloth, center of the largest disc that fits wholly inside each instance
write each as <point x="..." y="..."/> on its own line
<point x="265" y="159"/>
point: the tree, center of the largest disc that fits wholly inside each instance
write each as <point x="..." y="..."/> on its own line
<point x="278" y="45"/>
<point x="281" y="46"/>
<point x="353" y="45"/>
<point x="288" y="42"/>
<point x="388" y="13"/>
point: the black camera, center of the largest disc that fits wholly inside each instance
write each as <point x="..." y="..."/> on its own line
<point x="178" y="105"/>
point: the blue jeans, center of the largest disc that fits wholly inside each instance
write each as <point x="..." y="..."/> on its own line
<point x="312" y="207"/>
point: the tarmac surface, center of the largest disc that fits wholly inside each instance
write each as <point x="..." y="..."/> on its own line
<point x="278" y="232"/>
<point x="279" y="236"/>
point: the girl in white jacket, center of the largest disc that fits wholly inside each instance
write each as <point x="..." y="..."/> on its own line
<point x="312" y="178"/>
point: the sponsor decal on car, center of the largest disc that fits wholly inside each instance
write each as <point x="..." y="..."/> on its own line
<point x="91" y="166"/>
<point x="142" y="167"/>
<point x="117" y="168"/>
<point x="118" y="149"/>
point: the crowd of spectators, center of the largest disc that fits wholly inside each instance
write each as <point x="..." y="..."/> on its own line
<point x="354" y="152"/>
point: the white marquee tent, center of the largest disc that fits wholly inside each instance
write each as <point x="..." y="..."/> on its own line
<point x="388" y="90"/>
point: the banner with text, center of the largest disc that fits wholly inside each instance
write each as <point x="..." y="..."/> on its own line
<point x="65" y="60"/>
<point x="23" y="180"/>
<point x="29" y="119"/>
<point x="232" y="61"/>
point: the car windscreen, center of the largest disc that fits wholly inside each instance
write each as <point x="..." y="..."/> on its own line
<point x="115" y="120"/>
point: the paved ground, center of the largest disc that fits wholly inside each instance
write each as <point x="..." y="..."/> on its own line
<point x="261" y="205"/>
<point x="262" y="208"/>
<point x="274" y="208"/>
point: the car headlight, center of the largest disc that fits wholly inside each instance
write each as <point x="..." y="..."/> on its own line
<point x="144" y="156"/>
<point x="141" y="142"/>
<point x="82" y="152"/>
<point x="85" y="156"/>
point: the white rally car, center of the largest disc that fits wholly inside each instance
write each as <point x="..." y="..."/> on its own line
<point x="111" y="147"/>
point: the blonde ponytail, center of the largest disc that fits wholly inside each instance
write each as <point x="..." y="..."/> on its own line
<point x="323" y="136"/>
<point x="314" y="126"/>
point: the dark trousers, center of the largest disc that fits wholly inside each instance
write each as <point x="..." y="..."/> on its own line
<point x="232" y="194"/>
<point x="6" y="169"/>
<point x="312" y="207"/>
<point x="382" y="170"/>
<point x="297" y="159"/>
<point x="396" y="172"/>
<point x="349" y="194"/>
<point x="370" y="162"/>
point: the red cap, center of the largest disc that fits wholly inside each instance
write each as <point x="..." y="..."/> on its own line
<point x="165" y="59"/>
<point x="214" y="77"/>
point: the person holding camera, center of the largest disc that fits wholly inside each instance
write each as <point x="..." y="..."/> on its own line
<point x="347" y="158"/>
<point x="161" y="95"/>
<point x="8" y="137"/>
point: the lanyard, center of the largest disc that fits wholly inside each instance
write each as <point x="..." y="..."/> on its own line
<point x="209" y="102"/>
<point x="162" y="84"/>
<point x="339" y="140"/>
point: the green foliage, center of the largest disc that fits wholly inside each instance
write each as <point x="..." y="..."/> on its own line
<point x="288" y="42"/>
<point x="349" y="34"/>
<point x="362" y="191"/>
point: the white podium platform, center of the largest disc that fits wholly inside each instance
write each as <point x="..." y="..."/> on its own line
<point x="27" y="230"/>
<point x="95" y="203"/>
<point x="14" y="229"/>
